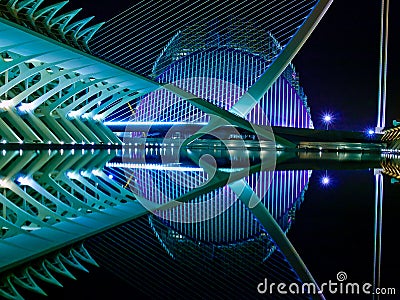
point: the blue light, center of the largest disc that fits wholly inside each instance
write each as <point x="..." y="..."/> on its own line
<point x="110" y="176"/>
<point x="369" y="132"/>
<point x="325" y="180"/>
<point x="327" y="118"/>
<point x="122" y="123"/>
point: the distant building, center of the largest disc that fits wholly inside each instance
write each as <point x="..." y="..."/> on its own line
<point x="220" y="66"/>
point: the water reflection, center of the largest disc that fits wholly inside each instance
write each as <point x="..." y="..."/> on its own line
<point x="62" y="197"/>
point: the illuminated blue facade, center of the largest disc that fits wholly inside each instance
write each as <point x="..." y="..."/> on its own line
<point x="221" y="70"/>
<point x="280" y="191"/>
<point x="210" y="216"/>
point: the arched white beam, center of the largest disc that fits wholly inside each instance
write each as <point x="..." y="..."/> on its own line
<point x="106" y="91"/>
<point x="123" y="102"/>
<point x="254" y="94"/>
<point x="227" y="117"/>
<point x="78" y="87"/>
<point x="63" y="84"/>
<point x="247" y="195"/>
<point x="25" y="73"/>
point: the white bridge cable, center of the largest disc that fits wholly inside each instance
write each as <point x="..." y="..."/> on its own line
<point x="162" y="20"/>
<point x="121" y="176"/>
<point x="119" y="16"/>
<point x="242" y="8"/>
<point x="120" y="114"/>
<point x="253" y="28"/>
<point x="291" y="25"/>
<point x="145" y="38"/>
<point x="145" y="25"/>
<point x="198" y="16"/>
<point x="114" y="31"/>
<point x="117" y="114"/>
<point x="244" y="29"/>
<point x="221" y="24"/>
<point x="156" y="42"/>
<point x="102" y="31"/>
<point x="165" y="16"/>
<point x="161" y="33"/>
<point x="98" y="38"/>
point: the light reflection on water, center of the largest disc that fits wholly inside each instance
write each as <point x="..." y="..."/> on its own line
<point x="231" y="244"/>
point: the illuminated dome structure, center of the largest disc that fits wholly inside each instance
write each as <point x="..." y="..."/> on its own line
<point x="220" y="66"/>
<point x="216" y="217"/>
<point x="54" y="91"/>
<point x="235" y="227"/>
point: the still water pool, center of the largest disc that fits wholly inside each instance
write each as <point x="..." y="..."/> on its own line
<point x="243" y="225"/>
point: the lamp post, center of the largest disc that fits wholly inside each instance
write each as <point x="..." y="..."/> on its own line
<point x="327" y="119"/>
<point x="325" y="179"/>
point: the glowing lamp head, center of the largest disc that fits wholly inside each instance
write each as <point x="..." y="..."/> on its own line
<point x="370" y="132"/>
<point x="327" y="118"/>
<point x="325" y="180"/>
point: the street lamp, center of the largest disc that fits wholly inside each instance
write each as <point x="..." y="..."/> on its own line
<point x="325" y="179"/>
<point x="327" y="119"/>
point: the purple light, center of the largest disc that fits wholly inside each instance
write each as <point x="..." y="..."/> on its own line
<point x="371" y="132"/>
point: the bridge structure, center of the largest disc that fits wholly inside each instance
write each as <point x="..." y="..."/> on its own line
<point x="51" y="90"/>
<point x="54" y="91"/>
<point x="392" y="137"/>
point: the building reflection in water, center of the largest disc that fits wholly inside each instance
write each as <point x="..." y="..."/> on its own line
<point x="50" y="201"/>
<point x="65" y="192"/>
<point x="390" y="166"/>
<point x="280" y="191"/>
<point x="232" y="240"/>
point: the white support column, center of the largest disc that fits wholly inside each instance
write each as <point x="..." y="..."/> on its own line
<point x="7" y="133"/>
<point x="44" y="131"/>
<point x="383" y="53"/>
<point x="72" y="130"/>
<point x="378" y="229"/>
<point x="62" y="134"/>
<point x="25" y="130"/>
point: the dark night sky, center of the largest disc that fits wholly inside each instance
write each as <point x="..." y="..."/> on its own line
<point x="338" y="65"/>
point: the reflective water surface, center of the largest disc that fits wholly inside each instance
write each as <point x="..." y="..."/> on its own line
<point x="223" y="224"/>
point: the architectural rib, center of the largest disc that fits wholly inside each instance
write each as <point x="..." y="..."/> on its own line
<point x="50" y="201"/>
<point x="392" y="138"/>
<point x="34" y="15"/>
<point x="53" y="93"/>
